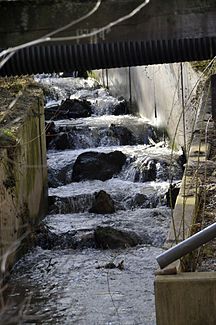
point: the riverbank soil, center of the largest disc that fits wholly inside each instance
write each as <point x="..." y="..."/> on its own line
<point x="13" y="103"/>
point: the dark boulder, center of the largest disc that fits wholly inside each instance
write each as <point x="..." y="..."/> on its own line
<point x="62" y="141"/>
<point x="71" y="74"/>
<point x="121" y="108"/>
<point x="103" y="204"/>
<point x="59" y="177"/>
<point x="70" y="108"/>
<point x="47" y="239"/>
<point x="147" y="172"/>
<point x="172" y="195"/>
<point x="110" y="238"/>
<point x="97" y="165"/>
<point x="76" y="108"/>
<point x="54" y="113"/>
<point x="151" y="171"/>
<point x="150" y="135"/>
<point x="182" y="158"/>
<point x="139" y="201"/>
<point x="85" y="240"/>
<point x="50" y="132"/>
<point x="124" y="135"/>
<point x="56" y="138"/>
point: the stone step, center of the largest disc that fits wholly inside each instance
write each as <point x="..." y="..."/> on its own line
<point x="143" y="164"/>
<point x="123" y="195"/>
<point x="142" y="226"/>
<point x="99" y="131"/>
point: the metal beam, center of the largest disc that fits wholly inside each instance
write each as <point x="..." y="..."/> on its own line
<point x="75" y="57"/>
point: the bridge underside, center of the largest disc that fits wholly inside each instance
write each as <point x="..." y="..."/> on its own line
<point x="81" y="57"/>
<point x="162" y="32"/>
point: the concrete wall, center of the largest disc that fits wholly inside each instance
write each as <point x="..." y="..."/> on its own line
<point x="156" y="91"/>
<point x="22" y="21"/>
<point x="186" y="299"/>
<point x="181" y="297"/>
<point x="23" y="174"/>
<point x="189" y="298"/>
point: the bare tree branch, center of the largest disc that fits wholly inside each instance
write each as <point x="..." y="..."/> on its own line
<point x="61" y="29"/>
<point x="47" y="38"/>
<point x="108" y="26"/>
<point x="7" y="54"/>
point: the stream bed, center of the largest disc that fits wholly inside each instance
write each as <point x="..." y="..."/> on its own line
<point x="109" y="176"/>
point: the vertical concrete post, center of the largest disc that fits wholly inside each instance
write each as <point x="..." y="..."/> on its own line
<point x="186" y="299"/>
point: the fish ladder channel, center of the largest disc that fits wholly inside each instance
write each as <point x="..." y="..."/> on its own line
<point x="109" y="214"/>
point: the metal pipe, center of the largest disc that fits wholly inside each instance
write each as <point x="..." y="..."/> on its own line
<point x="187" y="246"/>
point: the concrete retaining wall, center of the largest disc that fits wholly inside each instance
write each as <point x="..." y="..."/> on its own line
<point x="23" y="172"/>
<point x="181" y="297"/>
<point x="156" y="93"/>
<point x="188" y="298"/>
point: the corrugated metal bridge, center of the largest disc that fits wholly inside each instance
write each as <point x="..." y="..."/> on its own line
<point x="161" y="32"/>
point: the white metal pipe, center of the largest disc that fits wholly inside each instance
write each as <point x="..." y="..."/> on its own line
<point x="187" y="246"/>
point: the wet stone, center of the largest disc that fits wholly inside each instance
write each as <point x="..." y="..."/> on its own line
<point x="61" y="142"/>
<point x="121" y="108"/>
<point x="74" y="204"/>
<point x="85" y="240"/>
<point x="103" y="204"/>
<point x="96" y="165"/>
<point x="147" y="172"/>
<point x="140" y="201"/>
<point x="172" y="194"/>
<point x="124" y="135"/>
<point x="47" y="239"/>
<point x="110" y="238"/>
<point x="70" y="108"/>
<point x="50" y="132"/>
<point x="59" y="177"/>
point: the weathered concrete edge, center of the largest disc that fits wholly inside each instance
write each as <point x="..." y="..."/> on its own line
<point x="23" y="182"/>
<point x="182" y="298"/>
<point x="186" y="298"/>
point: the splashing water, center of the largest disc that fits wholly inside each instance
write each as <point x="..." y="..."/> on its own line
<point x="68" y="281"/>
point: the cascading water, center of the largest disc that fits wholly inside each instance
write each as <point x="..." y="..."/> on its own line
<point x="73" y="276"/>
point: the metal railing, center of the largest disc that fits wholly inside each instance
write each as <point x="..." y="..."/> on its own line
<point x="187" y="246"/>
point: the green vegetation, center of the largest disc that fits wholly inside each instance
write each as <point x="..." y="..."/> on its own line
<point x="7" y="138"/>
<point x="8" y="133"/>
<point x="92" y="74"/>
<point x="200" y="66"/>
<point x="15" y="84"/>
